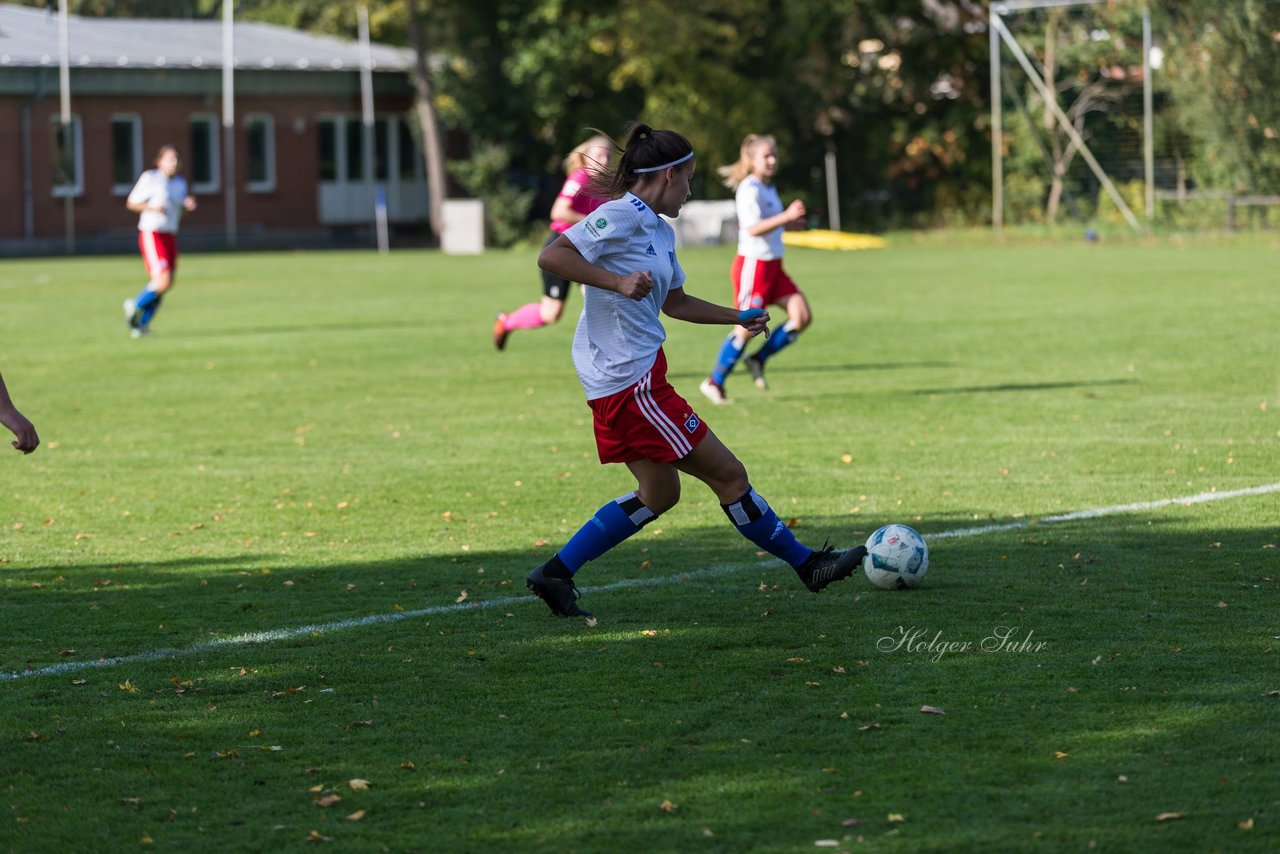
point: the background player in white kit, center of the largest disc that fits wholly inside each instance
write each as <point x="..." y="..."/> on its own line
<point x="625" y="253"/>
<point x="159" y="197"/>
<point x="757" y="275"/>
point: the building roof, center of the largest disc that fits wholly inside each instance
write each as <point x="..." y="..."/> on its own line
<point x="29" y="38"/>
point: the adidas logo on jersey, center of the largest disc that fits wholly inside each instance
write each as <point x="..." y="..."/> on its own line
<point x="650" y="251"/>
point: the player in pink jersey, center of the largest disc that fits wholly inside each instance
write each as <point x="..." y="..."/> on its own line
<point x="625" y="254"/>
<point x="757" y="275"/>
<point x="574" y="202"/>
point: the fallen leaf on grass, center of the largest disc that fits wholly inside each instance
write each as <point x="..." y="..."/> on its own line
<point x="592" y="622"/>
<point x="866" y="727"/>
<point x="1058" y="754"/>
<point x="317" y="836"/>
<point x="826" y="843"/>
<point x="128" y="687"/>
<point x="667" y="806"/>
<point x="1247" y="824"/>
<point x="1170" y="816"/>
<point x="896" y="817"/>
<point x="932" y="710"/>
<point x="1275" y="693"/>
<point x="327" y="800"/>
<point x="133" y="802"/>
<point x="358" y="784"/>
<point x="408" y="766"/>
<point x="357" y="815"/>
<point x="85" y="681"/>
<point x="462" y="597"/>
<point x="851" y="822"/>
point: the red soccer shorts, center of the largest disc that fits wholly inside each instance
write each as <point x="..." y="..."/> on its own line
<point x="159" y="251"/>
<point x="647" y="421"/>
<point x="757" y="283"/>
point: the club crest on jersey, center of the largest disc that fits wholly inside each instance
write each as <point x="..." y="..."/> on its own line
<point x="596" y="227"/>
<point x="650" y="251"/>
<point x="691" y="423"/>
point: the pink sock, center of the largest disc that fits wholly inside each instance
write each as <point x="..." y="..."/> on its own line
<point x="525" y="317"/>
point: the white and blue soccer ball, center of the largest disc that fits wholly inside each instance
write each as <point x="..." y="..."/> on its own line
<point x="897" y="557"/>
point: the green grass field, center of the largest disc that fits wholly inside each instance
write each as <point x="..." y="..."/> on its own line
<point x="279" y="548"/>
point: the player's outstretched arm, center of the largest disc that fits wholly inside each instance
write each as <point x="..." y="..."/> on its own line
<point x="684" y="306"/>
<point x="24" y="431"/>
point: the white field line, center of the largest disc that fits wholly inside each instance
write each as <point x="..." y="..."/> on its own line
<point x="273" y="635"/>
<point x="1098" y="512"/>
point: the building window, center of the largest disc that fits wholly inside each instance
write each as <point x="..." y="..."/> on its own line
<point x="260" y="131"/>
<point x="68" y="157"/>
<point x="203" y="157"/>
<point x="408" y="155"/>
<point x="327" y="132"/>
<point x="126" y="152"/>
<point x="355" y="150"/>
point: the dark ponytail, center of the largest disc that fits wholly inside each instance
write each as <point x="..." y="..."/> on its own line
<point x="644" y="148"/>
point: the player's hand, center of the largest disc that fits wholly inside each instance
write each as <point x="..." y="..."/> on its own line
<point x="27" y="440"/>
<point x="189" y="203"/>
<point x="796" y="211"/>
<point x="636" y="286"/>
<point x="755" y="321"/>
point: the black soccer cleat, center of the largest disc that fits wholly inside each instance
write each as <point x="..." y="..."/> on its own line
<point x="828" y="565"/>
<point x="755" y="366"/>
<point x="559" y="593"/>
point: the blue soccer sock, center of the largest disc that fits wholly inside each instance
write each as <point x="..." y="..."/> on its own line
<point x="730" y="353"/>
<point x="775" y="342"/>
<point x="612" y="524"/>
<point x="146" y="298"/>
<point x="150" y="310"/>
<point x="756" y="521"/>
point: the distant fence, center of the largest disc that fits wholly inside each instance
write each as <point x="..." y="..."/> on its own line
<point x="1230" y="199"/>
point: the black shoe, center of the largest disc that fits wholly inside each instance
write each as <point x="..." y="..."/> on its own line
<point x="559" y="593"/>
<point x="828" y="565"/>
<point x="755" y="366"/>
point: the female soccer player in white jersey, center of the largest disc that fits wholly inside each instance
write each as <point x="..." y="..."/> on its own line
<point x="625" y="253"/>
<point x="159" y="198"/>
<point x="757" y="275"/>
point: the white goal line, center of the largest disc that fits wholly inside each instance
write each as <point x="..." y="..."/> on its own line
<point x="273" y="635"/>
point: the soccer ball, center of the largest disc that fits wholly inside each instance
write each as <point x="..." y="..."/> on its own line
<point x="897" y="557"/>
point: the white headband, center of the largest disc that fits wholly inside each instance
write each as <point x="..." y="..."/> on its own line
<point x="664" y="165"/>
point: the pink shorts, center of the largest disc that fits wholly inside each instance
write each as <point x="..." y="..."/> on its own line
<point x="647" y="421"/>
<point x="159" y="251"/>
<point x="757" y="283"/>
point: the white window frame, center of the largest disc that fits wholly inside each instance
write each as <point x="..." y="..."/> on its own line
<point x="136" y="120"/>
<point x="268" y="185"/>
<point x="339" y="121"/>
<point x="214" y="184"/>
<point x="76" y="188"/>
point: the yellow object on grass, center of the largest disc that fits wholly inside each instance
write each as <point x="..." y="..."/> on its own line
<point x="821" y="238"/>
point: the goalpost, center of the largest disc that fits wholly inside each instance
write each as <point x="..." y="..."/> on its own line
<point x="999" y="34"/>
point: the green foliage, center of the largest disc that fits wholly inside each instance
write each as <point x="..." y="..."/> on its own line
<point x="1223" y="74"/>
<point x="487" y="175"/>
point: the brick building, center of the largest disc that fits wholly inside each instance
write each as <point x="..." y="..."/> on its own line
<point x="299" y="140"/>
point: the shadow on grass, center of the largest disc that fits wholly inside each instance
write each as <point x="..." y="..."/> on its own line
<point x="1021" y="387"/>
<point x="114" y="609"/>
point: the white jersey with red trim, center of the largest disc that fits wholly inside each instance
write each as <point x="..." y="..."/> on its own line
<point x="618" y="338"/>
<point x="758" y="201"/>
<point x="154" y="187"/>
